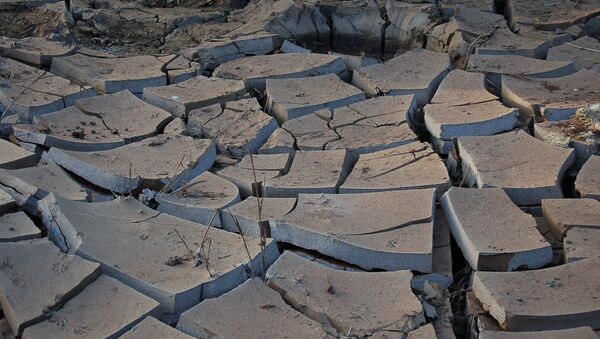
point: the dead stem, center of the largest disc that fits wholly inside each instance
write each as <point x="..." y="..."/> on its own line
<point x="237" y="224"/>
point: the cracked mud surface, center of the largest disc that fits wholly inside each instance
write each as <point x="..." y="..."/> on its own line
<point x="306" y="169"/>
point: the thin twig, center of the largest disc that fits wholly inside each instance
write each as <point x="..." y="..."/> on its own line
<point x="201" y="247"/>
<point x="19" y="95"/>
<point x="130" y="193"/>
<point x="465" y="176"/>
<point x="166" y="187"/>
<point x="190" y="252"/>
<point x="584" y="48"/>
<point x="263" y="231"/>
<point x="237" y="223"/>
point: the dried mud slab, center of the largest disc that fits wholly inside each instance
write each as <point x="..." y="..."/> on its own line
<point x="250" y="175"/>
<point x="583" y="52"/>
<point x="587" y="183"/>
<point x="339" y="297"/>
<point x="212" y="53"/>
<point x="33" y="50"/>
<point x="143" y="248"/>
<point x="312" y="131"/>
<point x="527" y="168"/>
<point x="7" y="202"/>
<point x="238" y="128"/>
<point x="417" y="72"/>
<point x="563" y="14"/>
<point x="496" y="65"/>
<point x="13" y="156"/>
<point x="244" y="215"/>
<point x="293" y="98"/>
<point x="95" y="124"/>
<point x="105" y="308"/>
<point x="152" y="328"/>
<point x="553" y="98"/>
<point x="369" y="230"/>
<point x="200" y="200"/>
<point x="580" y="243"/>
<point x="178" y="99"/>
<point x="462" y="88"/>
<point x="255" y="70"/>
<point x="564" y="214"/>
<point x="28" y="91"/>
<point x="560" y="297"/>
<point x="281" y="141"/>
<point x="311" y="172"/>
<point x="111" y="75"/>
<point x="579" y="332"/>
<point x="127" y="168"/>
<point x="30" y="288"/>
<point x="409" y="24"/>
<point x="17" y="227"/>
<point x="251" y="310"/>
<point x="412" y="166"/>
<point x="484" y="223"/>
<point x="504" y="42"/>
<point x="28" y="185"/>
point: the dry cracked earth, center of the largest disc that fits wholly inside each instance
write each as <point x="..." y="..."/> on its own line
<point x="299" y="169"/>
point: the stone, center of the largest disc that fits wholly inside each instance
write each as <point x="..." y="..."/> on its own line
<point x="13" y="156"/>
<point x="251" y="181"/>
<point x="494" y="66"/>
<point x="408" y="167"/>
<point x="164" y="257"/>
<point x="559" y="297"/>
<point x="127" y="168"/>
<point x="212" y="53"/>
<point x="31" y="288"/>
<point x="293" y="98"/>
<point x="17" y="227"/>
<point x="486" y="118"/>
<point x="238" y="128"/>
<point x="311" y="172"/>
<point x="553" y="98"/>
<point x="409" y="24"/>
<point x="367" y="230"/>
<point x="152" y="328"/>
<point x="583" y="52"/>
<point x="357" y="25"/>
<point x="483" y="222"/>
<point x="461" y="88"/>
<point x="200" y="200"/>
<point x="33" y="50"/>
<point x="339" y="297"/>
<point x="579" y="332"/>
<point x="28" y="91"/>
<point x="587" y="183"/>
<point x="111" y="75"/>
<point x="178" y="99"/>
<point x="250" y="310"/>
<point x="565" y="214"/>
<point x="281" y="141"/>
<point x="417" y="72"/>
<point x="580" y="243"/>
<point x="244" y="218"/>
<point x="255" y="70"/>
<point x="105" y="308"/>
<point x="7" y="202"/>
<point x="501" y="161"/>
